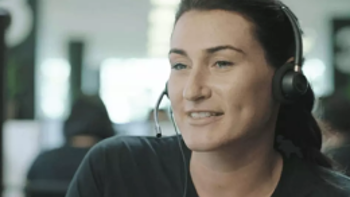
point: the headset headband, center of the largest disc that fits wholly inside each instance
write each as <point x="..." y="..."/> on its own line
<point x="297" y="37"/>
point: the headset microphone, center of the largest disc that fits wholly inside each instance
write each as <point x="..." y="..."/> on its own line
<point x="156" y="112"/>
<point x="159" y="133"/>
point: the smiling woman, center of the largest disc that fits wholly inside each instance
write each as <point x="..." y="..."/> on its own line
<point x="243" y="107"/>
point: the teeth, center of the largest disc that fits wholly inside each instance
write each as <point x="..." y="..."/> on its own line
<point x="202" y="115"/>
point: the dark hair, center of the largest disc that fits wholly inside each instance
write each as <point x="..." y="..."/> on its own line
<point x="88" y="116"/>
<point x="273" y="30"/>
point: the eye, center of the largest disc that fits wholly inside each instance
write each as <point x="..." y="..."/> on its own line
<point x="178" y="66"/>
<point x="223" y="64"/>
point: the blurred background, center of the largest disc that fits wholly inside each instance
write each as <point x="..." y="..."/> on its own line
<point x="111" y="56"/>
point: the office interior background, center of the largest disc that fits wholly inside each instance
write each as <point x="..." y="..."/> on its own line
<point x="117" y="49"/>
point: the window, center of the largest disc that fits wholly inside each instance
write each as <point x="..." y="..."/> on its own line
<point x="161" y="20"/>
<point x="131" y="87"/>
<point x="54" y="88"/>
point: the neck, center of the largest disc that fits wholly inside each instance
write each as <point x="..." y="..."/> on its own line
<point x="236" y="169"/>
<point x="83" y="141"/>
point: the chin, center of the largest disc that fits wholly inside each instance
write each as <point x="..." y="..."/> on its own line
<point x="201" y="147"/>
<point x="203" y="143"/>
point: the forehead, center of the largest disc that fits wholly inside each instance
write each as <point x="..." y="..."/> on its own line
<point x="205" y="29"/>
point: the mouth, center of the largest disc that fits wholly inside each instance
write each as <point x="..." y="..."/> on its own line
<point x="204" y="115"/>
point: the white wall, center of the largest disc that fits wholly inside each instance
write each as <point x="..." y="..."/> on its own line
<point x="112" y="28"/>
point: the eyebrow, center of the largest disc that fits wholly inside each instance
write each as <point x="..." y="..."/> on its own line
<point x="225" y="47"/>
<point x="209" y="50"/>
<point x="178" y="51"/>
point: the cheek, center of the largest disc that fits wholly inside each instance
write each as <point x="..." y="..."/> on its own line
<point x="251" y="98"/>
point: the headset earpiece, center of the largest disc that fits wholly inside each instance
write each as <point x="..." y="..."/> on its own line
<point x="289" y="85"/>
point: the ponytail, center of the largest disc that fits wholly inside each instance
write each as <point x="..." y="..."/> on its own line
<point x="296" y="123"/>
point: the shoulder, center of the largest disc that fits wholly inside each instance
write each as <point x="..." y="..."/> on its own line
<point x="124" y="148"/>
<point x="326" y="182"/>
<point x="43" y="163"/>
<point x="333" y="183"/>
<point x="118" y="165"/>
<point x="126" y="158"/>
<point x="341" y="157"/>
<point x="304" y="179"/>
<point x="61" y="152"/>
<point x="47" y="156"/>
<point x="136" y="143"/>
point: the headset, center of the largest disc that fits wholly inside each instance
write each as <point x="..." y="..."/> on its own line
<point x="288" y="84"/>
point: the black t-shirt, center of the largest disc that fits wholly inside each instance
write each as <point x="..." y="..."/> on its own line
<point x="151" y="167"/>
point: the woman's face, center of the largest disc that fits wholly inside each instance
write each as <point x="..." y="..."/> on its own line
<point x="220" y="83"/>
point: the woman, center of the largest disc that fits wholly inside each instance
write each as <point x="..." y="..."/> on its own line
<point x="238" y="138"/>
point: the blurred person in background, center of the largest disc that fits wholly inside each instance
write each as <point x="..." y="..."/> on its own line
<point x="335" y="119"/>
<point x="87" y="124"/>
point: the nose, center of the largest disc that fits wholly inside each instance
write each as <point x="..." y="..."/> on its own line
<point x="196" y="88"/>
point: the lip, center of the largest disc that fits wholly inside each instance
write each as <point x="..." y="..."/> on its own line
<point x="204" y="121"/>
<point x="188" y="112"/>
